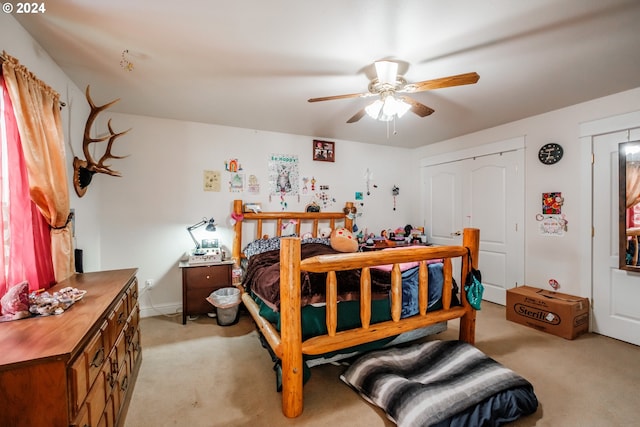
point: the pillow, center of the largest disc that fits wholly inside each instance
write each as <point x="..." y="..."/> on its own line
<point x="262" y="245"/>
<point x="273" y="243"/>
<point x="343" y="240"/>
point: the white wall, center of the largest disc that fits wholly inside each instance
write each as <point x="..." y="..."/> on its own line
<point x="551" y="257"/>
<point x="143" y="215"/>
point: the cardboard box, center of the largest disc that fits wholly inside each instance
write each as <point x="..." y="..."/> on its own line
<point x="564" y="315"/>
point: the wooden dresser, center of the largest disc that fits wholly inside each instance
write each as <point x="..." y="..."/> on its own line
<point x="77" y="368"/>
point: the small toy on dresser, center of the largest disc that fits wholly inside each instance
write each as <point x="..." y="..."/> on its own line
<point x="17" y="303"/>
<point x="14" y="304"/>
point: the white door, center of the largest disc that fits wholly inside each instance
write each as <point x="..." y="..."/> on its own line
<point x="616" y="293"/>
<point x="485" y="192"/>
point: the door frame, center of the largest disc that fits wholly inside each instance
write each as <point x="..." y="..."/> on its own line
<point x="587" y="132"/>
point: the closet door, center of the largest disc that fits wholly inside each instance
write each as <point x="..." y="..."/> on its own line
<point x="616" y="292"/>
<point x="485" y="192"/>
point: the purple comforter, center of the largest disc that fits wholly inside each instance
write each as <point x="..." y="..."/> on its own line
<point x="263" y="279"/>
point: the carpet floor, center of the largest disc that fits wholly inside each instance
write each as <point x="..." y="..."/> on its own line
<point x="203" y="374"/>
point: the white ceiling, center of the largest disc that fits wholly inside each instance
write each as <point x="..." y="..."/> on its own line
<point x="254" y="63"/>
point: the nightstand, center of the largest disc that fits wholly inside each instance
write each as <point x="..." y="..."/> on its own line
<point x="198" y="282"/>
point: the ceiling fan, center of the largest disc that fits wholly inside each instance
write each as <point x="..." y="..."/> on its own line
<point x="388" y="84"/>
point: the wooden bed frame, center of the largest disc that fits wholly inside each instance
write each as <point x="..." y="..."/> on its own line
<point x="287" y="344"/>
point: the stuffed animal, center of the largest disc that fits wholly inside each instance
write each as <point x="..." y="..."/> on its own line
<point x="325" y="232"/>
<point x="343" y="240"/>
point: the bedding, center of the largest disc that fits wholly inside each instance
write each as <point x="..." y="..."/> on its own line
<point x="286" y="342"/>
<point x="262" y="277"/>
<point x="441" y="383"/>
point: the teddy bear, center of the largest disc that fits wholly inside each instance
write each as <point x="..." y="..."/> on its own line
<point x="324" y="232"/>
<point x="343" y="240"/>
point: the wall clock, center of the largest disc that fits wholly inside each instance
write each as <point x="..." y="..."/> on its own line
<point x="550" y="154"/>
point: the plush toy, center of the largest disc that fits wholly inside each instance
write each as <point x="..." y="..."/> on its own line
<point x="15" y="303"/>
<point x="325" y="232"/>
<point x="343" y="240"/>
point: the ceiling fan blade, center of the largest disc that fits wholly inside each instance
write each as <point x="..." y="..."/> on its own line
<point x="330" y="98"/>
<point x="418" y="108"/>
<point x="459" y="80"/>
<point x="357" y="116"/>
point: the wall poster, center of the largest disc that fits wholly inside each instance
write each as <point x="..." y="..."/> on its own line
<point x="283" y="175"/>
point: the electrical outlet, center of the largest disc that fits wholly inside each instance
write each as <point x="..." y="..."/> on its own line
<point x="148" y="284"/>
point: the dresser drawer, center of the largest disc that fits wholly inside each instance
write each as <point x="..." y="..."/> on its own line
<point x="96" y="354"/>
<point x="97" y="397"/>
<point x="132" y="295"/>
<point x="211" y="276"/>
<point x="82" y="420"/>
<point x="84" y="371"/>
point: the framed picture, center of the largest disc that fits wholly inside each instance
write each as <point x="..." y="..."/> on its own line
<point x="324" y="151"/>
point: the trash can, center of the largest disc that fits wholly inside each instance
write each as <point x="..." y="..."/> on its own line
<point x="227" y="302"/>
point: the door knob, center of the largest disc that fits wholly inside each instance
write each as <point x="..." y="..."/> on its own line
<point x="456" y="233"/>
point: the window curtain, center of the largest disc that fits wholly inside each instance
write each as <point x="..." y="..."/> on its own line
<point x="633" y="183"/>
<point x="37" y="112"/>
<point x="26" y="252"/>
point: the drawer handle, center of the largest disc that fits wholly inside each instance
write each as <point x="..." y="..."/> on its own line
<point x="134" y="294"/>
<point x="125" y="383"/>
<point x="121" y="319"/>
<point x="208" y="277"/>
<point x="98" y="358"/>
<point x="111" y="379"/>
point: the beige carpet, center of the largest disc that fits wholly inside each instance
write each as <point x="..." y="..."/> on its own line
<point x="202" y="374"/>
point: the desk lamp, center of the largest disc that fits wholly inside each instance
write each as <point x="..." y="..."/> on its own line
<point x="211" y="226"/>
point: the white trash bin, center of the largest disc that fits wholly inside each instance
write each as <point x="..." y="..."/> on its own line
<point x="227" y="303"/>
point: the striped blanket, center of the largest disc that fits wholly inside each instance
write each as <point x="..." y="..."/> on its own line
<point x="427" y="383"/>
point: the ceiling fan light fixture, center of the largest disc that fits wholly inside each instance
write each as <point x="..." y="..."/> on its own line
<point x="394" y="106"/>
<point x="401" y="108"/>
<point x="373" y="109"/>
<point x="387" y="72"/>
<point x="388" y="109"/>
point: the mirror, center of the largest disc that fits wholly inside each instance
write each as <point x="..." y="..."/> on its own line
<point x="629" y="205"/>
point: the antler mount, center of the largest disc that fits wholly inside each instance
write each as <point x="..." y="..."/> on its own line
<point x="83" y="170"/>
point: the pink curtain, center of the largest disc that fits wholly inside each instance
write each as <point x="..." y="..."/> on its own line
<point x="37" y="111"/>
<point x="22" y="233"/>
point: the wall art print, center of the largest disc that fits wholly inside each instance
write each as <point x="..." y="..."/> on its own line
<point x="284" y="175"/>
<point x="211" y="180"/>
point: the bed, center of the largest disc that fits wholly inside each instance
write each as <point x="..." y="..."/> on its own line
<point x="286" y="339"/>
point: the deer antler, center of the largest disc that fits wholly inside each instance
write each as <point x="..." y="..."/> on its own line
<point x="85" y="169"/>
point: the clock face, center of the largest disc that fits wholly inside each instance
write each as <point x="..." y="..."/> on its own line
<point x="550" y="154"/>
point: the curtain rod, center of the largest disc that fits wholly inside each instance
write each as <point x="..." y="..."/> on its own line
<point x="4" y="58"/>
